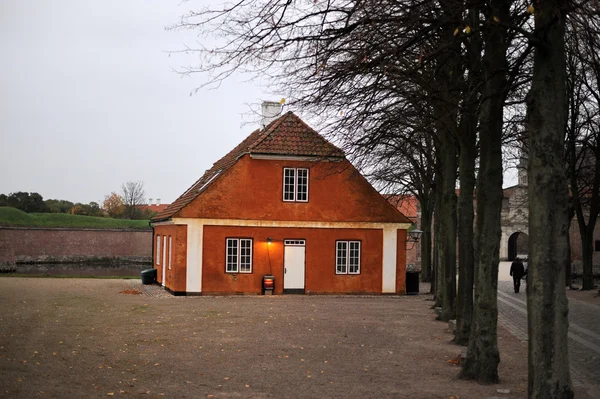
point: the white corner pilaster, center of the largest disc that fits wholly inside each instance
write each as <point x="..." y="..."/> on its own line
<point x="195" y="231"/>
<point x="390" y="243"/>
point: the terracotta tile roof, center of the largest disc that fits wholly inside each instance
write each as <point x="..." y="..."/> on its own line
<point x="407" y="204"/>
<point x="287" y="135"/>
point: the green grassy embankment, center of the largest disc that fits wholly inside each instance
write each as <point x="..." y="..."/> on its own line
<point x="15" y="218"/>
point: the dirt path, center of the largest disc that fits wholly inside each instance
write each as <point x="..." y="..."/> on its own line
<point x="83" y="338"/>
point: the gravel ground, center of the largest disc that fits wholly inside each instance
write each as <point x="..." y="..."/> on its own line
<point x="71" y="338"/>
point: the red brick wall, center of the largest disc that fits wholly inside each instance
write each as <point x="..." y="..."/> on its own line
<point x="65" y="245"/>
<point x="320" y="274"/>
<point x="401" y="256"/>
<point x="175" y="276"/>
<point x="253" y="189"/>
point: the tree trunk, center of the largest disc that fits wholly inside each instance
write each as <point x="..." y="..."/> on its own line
<point x="569" y="266"/>
<point x="447" y="237"/>
<point x="547" y="305"/>
<point x="467" y="155"/>
<point x="483" y="357"/>
<point x="437" y="275"/>
<point x="466" y="268"/>
<point x="426" y="215"/>
<point x="435" y="284"/>
<point x="587" y="253"/>
<point x="448" y="81"/>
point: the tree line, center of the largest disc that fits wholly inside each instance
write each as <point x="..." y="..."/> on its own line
<point x="426" y="94"/>
<point x="128" y="204"/>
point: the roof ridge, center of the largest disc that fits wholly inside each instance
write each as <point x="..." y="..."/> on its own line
<point x="269" y="129"/>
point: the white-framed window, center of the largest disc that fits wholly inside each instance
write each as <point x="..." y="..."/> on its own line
<point x="295" y="184"/>
<point x="238" y="255"/>
<point x="347" y="257"/>
<point x="170" y="251"/>
<point x="164" y="251"/>
<point x="158" y="250"/>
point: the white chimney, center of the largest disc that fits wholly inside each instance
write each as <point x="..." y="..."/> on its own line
<point x="158" y="201"/>
<point x="149" y="201"/>
<point x="270" y="111"/>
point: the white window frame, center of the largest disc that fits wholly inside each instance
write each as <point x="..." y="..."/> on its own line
<point x="158" y="249"/>
<point x="236" y="260"/>
<point x="295" y="193"/>
<point x="170" y="251"/>
<point x="343" y="259"/>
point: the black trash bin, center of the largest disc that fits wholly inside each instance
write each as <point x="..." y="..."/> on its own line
<point x="148" y="276"/>
<point x="412" y="283"/>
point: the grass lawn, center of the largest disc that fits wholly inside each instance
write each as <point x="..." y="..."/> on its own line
<point x="16" y="218"/>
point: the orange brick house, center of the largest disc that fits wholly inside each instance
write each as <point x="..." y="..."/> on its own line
<point x="284" y="202"/>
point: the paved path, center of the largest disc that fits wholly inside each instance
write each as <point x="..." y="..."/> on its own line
<point x="584" y="331"/>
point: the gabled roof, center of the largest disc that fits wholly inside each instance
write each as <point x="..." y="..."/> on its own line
<point x="287" y="135"/>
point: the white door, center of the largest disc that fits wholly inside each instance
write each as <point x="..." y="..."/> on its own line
<point x="293" y="265"/>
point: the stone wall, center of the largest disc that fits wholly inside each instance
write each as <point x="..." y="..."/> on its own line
<point x="54" y="245"/>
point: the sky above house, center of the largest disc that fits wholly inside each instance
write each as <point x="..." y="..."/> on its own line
<point x="90" y="99"/>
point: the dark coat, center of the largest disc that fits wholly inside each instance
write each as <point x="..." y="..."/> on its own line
<point x="517" y="270"/>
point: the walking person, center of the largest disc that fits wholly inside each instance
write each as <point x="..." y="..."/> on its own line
<point x="517" y="271"/>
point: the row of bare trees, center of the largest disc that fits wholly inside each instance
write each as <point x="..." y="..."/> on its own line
<point x="422" y="92"/>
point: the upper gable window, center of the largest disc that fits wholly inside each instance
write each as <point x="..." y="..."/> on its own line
<point x="295" y="184"/>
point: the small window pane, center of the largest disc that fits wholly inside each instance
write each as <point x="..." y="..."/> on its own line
<point x="302" y="186"/>
<point x="354" y="257"/>
<point x="289" y="181"/>
<point x="341" y="257"/>
<point x="170" y="251"/>
<point x="164" y="251"/>
<point x="245" y="256"/>
<point x="232" y="255"/>
<point x="158" y="250"/>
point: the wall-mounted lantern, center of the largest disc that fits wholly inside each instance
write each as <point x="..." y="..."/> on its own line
<point x="268" y="284"/>
<point x="414" y="236"/>
<point x="269" y="240"/>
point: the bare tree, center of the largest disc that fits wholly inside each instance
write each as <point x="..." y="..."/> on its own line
<point x="365" y="65"/>
<point x="548" y="203"/>
<point x="583" y="133"/>
<point x="134" y="195"/>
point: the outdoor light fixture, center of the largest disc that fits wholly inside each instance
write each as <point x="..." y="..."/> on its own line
<point x="269" y="240"/>
<point x="414" y="236"/>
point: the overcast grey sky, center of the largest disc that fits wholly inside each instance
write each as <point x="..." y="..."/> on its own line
<point x="89" y="100"/>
